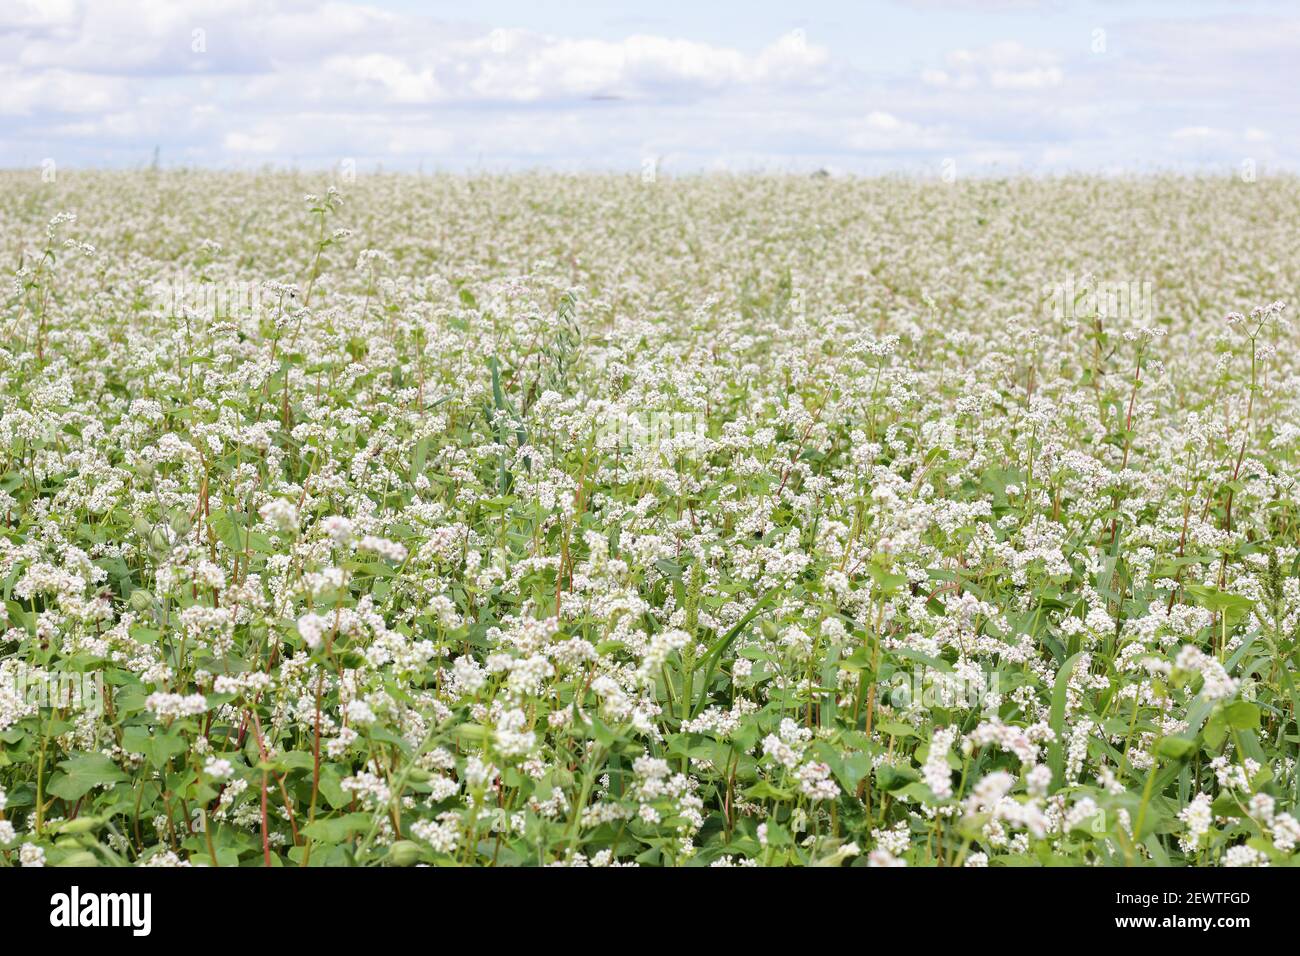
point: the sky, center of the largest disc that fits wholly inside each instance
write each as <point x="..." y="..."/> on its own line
<point x="911" y="86"/>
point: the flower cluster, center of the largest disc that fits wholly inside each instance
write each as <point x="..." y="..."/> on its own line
<point x="370" y="569"/>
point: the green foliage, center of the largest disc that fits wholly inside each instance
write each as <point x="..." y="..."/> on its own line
<point x="551" y="521"/>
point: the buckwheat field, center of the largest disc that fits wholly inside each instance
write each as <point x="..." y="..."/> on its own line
<point x="543" y="520"/>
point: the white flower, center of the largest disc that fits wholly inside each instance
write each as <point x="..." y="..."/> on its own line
<point x="280" y="514"/>
<point x="218" y="768"/>
<point x="31" y="855"/>
<point x="359" y="712"/>
<point x="172" y="706"/>
<point x="313" y="628"/>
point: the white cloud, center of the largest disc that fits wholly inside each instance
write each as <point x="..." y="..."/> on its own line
<point x="521" y="67"/>
<point x="883" y="121"/>
<point x="309" y="82"/>
<point x="1007" y="65"/>
<point x="1039" y="78"/>
<point x="58" y="91"/>
<point x="387" y="76"/>
<point x="355" y="50"/>
<point x="37" y="15"/>
<point x="264" y="142"/>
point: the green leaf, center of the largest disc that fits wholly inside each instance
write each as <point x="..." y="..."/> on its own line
<point x="1056" y="750"/>
<point x="296" y="760"/>
<point x="859" y="660"/>
<point x="763" y="790"/>
<point x="668" y="569"/>
<point x="890" y="778"/>
<point x="82" y="773"/>
<point x="331" y="787"/>
<point x="1242" y="715"/>
<point x="157" y="747"/>
<point x="895" y="729"/>
<point x="889" y="582"/>
<point x="1233" y="607"/>
<point x="912" y="654"/>
<point x="335" y="829"/>
<point x="716" y="652"/>
<point x="1216" y="730"/>
<point x="1176" y="748"/>
<point x="419" y="457"/>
